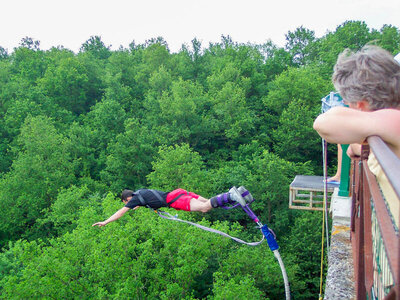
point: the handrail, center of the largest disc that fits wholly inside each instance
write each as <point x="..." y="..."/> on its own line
<point x="376" y="245"/>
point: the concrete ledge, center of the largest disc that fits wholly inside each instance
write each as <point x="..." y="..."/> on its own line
<point x="340" y="206"/>
<point x="340" y="278"/>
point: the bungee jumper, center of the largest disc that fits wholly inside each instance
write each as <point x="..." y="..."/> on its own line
<point x="178" y="199"/>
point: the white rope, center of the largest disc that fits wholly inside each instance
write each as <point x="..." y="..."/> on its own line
<point x="285" y="277"/>
<point x="168" y="216"/>
<point x="325" y="167"/>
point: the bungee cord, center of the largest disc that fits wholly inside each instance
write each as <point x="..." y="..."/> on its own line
<point x="268" y="235"/>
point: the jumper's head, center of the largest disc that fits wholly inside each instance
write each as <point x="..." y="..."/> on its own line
<point x="125" y="194"/>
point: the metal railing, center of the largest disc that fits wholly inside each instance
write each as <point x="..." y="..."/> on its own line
<point x="374" y="233"/>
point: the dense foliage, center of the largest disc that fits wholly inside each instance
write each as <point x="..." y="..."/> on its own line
<point x="76" y="128"/>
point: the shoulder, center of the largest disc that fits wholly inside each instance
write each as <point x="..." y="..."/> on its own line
<point x="125" y="209"/>
<point x="133" y="202"/>
<point x="389" y="116"/>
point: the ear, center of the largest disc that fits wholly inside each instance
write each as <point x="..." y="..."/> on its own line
<point x="363" y="105"/>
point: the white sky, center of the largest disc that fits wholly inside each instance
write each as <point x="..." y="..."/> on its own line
<point x="119" y="22"/>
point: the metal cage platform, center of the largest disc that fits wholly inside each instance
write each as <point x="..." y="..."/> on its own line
<point x="307" y="192"/>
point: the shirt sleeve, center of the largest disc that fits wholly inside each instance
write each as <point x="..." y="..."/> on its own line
<point x="133" y="202"/>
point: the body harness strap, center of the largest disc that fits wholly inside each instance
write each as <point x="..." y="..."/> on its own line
<point x="141" y="199"/>
<point x="177" y="197"/>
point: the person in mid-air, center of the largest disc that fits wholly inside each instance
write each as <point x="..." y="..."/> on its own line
<point x="178" y="199"/>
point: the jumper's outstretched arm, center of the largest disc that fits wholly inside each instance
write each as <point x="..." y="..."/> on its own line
<point x="114" y="217"/>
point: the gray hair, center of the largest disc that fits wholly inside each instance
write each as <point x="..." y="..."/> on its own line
<point x="371" y="74"/>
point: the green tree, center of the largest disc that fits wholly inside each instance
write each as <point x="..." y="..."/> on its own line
<point x="63" y="213"/>
<point x="95" y="46"/>
<point x="351" y="34"/>
<point x="5" y="138"/>
<point x="304" y="242"/>
<point x="178" y="167"/>
<point x="160" y="83"/>
<point x="179" y="113"/>
<point x="29" y="43"/>
<point x="253" y="273"/>
<point x="183" y="64"/>
<point x="269" y="178"/>
<point x="276" y="61"/>
<point x="149" y="58"/>
<point x="67" y="84"/>
<point x="28" y="64"/>
<point x="105" y="119"/>
<point x="295" y="83"/>
<point x="94" y="69"/>
<point x="91" y="137"/>
<point x="3" y="53"/>
<point x="129" y="157"/>
<point x="300" y="45"/>
<point x="230" y="119"/>
<point x="155" y="54"/>
<point x="121" y="85"/>
<point x="295" y="139"/>
<point x="40" y="169"/>
<point x="390" y="39"/>
<point x="236" y="288"/>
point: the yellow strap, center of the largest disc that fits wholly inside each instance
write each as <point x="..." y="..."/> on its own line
<point x="322" y="248"/>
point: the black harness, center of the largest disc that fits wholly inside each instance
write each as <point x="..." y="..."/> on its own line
<point x="157" y="195"/>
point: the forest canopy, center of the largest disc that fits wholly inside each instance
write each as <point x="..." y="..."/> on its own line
<point x="77" y="128"/>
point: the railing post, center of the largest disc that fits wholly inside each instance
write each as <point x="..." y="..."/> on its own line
<point x="354" y="193"/>
<point x="344" y="175"/>
<point x="368" y="256"/>
<point x="361" y="288"/>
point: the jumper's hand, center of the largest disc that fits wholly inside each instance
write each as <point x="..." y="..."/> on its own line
<point x="100" y="224"/>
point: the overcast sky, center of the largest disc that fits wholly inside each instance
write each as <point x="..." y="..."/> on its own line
<point x="119" y="22"/>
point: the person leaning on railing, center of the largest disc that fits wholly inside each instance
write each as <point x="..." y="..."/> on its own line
<point x="369" y="82"/>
